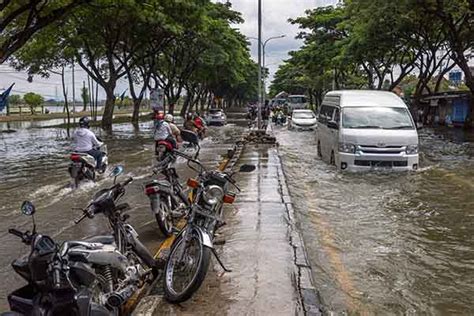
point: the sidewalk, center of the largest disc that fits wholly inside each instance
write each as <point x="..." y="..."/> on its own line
<point x="270" y="272"/>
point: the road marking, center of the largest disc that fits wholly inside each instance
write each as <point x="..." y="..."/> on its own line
<point x="329" y="247"/>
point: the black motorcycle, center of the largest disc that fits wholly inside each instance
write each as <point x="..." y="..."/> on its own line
<point x="57" y="284"/>
<point x="125" y="239"/>
<point x="191" y="251"/>
<point x="166" y="194"/>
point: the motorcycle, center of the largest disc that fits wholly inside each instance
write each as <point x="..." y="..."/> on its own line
<point x="83" y="166"/>
<point x="166" y="194"/>
<point x="279" y="119"/>
<point x="190" y="254"/>
<point x="143" y="267"/>
<point x="59" y="283"/>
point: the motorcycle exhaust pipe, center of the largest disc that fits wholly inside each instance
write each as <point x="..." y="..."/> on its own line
<point x="116" y="299"/>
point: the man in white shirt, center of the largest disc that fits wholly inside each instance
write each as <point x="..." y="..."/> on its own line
<point x="85" y="141"/>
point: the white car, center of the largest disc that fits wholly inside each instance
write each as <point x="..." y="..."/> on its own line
<point x="302" y="119"/>
<point x="216" y="117"/>
<point x="364" y="130"/>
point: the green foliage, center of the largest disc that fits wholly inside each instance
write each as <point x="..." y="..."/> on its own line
<point x="33" y="100"/>
<point x="15" y="99"/>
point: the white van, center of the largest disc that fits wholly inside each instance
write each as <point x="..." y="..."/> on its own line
<point x="362" y="129"/>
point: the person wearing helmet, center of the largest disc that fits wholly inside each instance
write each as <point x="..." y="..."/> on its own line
<point x="85" y="141"/>
<point x="199" y="122"/>
<point x="162" y="130"/>
<point x="189" y="124"/>
<point x="174" y="129"/>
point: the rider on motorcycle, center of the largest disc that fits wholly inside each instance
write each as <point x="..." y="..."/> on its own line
<point x="190" y="124"/>
<point x="163" y="130"/>
<point x="174" y="129"/>
<point x="85" y="141"/>
<point x="199" y="122"/>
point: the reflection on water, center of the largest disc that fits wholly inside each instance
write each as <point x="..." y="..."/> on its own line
<point x="389" y="243"/>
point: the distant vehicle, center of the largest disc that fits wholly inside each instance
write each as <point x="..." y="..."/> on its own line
<point x="296" y="102"/>
<point x="278" y="102"/>
<point x="303" y="120"/>
<point x="362" y="130"/>
<point x="216" y="117"/>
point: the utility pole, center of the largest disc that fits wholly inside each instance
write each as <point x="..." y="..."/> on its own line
<point x="73" y="92"/>
<point x="259" y="124"/>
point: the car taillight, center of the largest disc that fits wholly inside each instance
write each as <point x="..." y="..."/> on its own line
<point x="75" y="157"/>
<point x="229" y="199"/>
<point x="151" y="190"/>
<point x="193" y="183"/>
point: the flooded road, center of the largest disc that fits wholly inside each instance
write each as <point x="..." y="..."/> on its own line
<point x="33" y="166"/>
<point x="388" y="243"/>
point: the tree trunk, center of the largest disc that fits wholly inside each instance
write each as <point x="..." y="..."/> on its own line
<point x="136" y="112"/>
<point x="66" y="106"/>
<point x="107" y="117"/>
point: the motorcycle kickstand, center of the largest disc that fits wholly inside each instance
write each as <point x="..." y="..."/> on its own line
<point x="214" y="252"/>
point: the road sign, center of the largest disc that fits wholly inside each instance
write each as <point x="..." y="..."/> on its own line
<point x="157" y="100"/>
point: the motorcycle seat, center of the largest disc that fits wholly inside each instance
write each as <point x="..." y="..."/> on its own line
<point x="103" y="239"/>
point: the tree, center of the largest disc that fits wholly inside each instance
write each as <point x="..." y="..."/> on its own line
<point x="85" y="96"/>
<point x="33" y="100"/>
<point x="15" y="99"/>
<point x="21" y="19"/>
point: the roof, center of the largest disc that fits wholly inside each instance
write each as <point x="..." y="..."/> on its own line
<point x="353" y="98"/>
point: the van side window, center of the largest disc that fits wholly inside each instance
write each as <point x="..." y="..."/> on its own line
<point x="325" y="114"/>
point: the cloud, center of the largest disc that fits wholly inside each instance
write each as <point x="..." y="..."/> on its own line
<point x="275" y="15"/>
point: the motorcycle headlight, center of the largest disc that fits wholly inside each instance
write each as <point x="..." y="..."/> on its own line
<point x="213" y="194"/>
<point x="347" y="148"/>
<point x="412" y="149"/>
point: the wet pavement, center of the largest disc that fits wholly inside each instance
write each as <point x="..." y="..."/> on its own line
<point x="33" y="166"/>
<point x="383" y="243"/>
<point x="257" y="249"/>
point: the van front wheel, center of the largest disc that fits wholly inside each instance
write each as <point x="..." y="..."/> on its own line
<point x="332" y="162"/>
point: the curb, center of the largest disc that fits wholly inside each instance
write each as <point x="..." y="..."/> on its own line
<point x="307" y="292"/>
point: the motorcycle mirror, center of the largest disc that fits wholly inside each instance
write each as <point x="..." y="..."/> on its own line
<point x="116" y="171"/>
<point x="28" y="208"/>
<point x="190" y="137"/>
<point x="247" y="168"/>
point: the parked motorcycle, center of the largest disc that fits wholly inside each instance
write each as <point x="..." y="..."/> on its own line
<point x="166" y="194"/>
<point x="141" y="266"/>
<point x="83" y="166"/>
<point x="191" y="251"/>
<point x="59" y="283"/>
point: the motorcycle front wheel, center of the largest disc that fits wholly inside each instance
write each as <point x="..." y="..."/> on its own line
<point x="186" y="268"/>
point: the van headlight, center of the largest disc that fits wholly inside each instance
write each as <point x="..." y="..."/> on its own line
<point x="411" y="149"/>
<point x="213" y="194"/>
<point x="347" y="148"/>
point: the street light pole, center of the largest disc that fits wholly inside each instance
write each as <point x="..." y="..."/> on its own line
<point x="259" y="120"/>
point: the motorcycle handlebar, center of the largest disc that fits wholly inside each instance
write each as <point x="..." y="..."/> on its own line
<point x="128" y="181"/>
<point x="16" y="232"/>
<point x="80" y="218"/>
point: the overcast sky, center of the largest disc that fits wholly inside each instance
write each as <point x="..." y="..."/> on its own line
<point x="275" y="22"/>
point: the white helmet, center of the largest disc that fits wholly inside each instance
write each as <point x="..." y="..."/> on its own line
<point x="169" y="118"/>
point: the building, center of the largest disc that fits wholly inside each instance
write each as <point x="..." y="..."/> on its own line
<point x="445" y="108"/>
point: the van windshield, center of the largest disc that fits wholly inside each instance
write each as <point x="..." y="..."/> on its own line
<point x="376" y="117"/>
<point x="298" y="99"/>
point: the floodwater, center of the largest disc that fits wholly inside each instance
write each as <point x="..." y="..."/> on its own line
<point x="33" y="166"/>
<point x="383" y="243"/>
